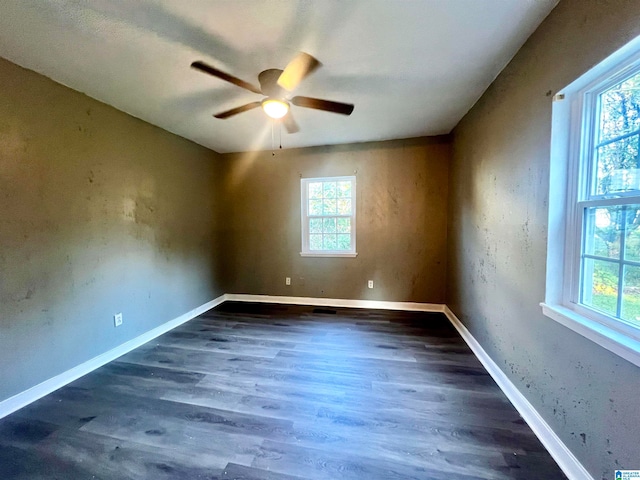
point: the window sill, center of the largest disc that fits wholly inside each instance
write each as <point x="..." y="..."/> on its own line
<point x="329" y="254"/>
<point x="613" y="340"/>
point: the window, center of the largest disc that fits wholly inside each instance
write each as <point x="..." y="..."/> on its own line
<point x="593" y="264"/>
<point x="609" y="203"/>
<point x="329" y="216"/>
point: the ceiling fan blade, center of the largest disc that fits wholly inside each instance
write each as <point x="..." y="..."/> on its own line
<point x="203" y="67"/>
<point x="297" y="70"/>
<point x="326" y="105"/>
<point x="290" y="123"/>
<point x="237" y="110"/>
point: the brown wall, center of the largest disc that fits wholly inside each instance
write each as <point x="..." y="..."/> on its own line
<point x="401" y="221"/>
<point x="99" y="213"/>
<point x="498" y="233"/>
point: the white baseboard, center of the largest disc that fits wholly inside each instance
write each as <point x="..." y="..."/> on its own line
<point x="23" y="399"/>
<point x="337" y="302"/>
<point x="569" y="464"/>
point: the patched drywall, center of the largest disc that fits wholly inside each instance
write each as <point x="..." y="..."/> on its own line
<point x="498" y="233"/>
<point x="401" y="221"/>
<point x="99" y="213"/>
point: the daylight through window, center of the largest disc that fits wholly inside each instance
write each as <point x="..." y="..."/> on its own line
<point x="593" y="247"/>
<point x="610" y="201"/>
<point x="328" y="216"/>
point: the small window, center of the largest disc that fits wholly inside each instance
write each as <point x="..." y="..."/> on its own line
<point x="329" y="216"/>
<point x="593" y="249"/>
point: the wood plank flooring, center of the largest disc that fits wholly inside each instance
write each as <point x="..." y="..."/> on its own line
<point x="266" y="392"/>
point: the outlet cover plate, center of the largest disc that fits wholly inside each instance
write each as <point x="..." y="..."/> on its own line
<point x="370" y="283"/>
<point x="117" y="319"/>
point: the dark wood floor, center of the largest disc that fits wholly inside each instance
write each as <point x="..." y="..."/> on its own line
<point x="265" y="392"/>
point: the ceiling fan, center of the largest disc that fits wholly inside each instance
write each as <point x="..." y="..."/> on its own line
<point x="275" y="85"/>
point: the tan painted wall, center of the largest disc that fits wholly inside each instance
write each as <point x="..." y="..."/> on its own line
<point x="401" y="221"/>
<point x="498" y="234"/>
<point x="99" y="213"/>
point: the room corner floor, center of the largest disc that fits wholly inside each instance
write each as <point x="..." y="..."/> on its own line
<point x="266" y="392"/>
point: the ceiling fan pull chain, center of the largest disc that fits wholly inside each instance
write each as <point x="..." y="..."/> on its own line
<point x="273" y="154"/>
<point x="280" y="132"/>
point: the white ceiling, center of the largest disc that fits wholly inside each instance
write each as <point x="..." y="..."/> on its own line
<point x="411" y="67"/>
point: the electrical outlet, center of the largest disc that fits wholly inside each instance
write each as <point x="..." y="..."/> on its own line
<point x="287" y="281"/>
<point x="370" y="284"/>
<point x="117" y="319"/>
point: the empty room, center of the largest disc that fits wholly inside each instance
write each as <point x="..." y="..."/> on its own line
<point x="320" y="239"/>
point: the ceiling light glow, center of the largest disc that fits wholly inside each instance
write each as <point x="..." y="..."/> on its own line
<point x="275" y="108"/>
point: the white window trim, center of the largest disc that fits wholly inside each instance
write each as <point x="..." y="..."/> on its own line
<point x="306" y="252"/>
<point x="565" y="225"/>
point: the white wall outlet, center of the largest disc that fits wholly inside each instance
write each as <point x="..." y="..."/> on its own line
<point x="117" y="319"/>
<point x="287" y="281"/>
<point x="370" y="284"/>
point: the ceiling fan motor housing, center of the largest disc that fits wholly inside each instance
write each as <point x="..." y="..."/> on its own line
<point x="269" y="83"/>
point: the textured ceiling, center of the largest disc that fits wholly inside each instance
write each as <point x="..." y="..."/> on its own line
<point x="411" y="67"/>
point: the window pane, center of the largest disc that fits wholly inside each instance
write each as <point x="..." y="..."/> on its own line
<point x="329" y="225"/>
<point x="600" y="285"/>
<point x="329" y="206"/>
<point x="344" y="206"/>
<point x="632" y="237"/>
<point x="603" y="227"/>
<point x="315" y="207"/>
<point x="344" y="189"/>
<point x="330" y="242"/>
<point x="620" y="109"/>
<point x="315" y="225"/>
<point x="631" y="295"/>
<point x="315" y="190"/>
<point x="315" y="242"/>
<point x="618" y="168"/>
<point x="329" y="189"/>
<point x="344" y="242"/>
<point x="344" y="225"/>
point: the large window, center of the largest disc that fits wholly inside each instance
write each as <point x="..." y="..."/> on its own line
<point x="609" y="203"/>
<point x="329" y="216"/>
<point x="593" y="264"/>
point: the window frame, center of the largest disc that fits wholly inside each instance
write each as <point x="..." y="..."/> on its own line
<point x="571" y="193"/>
<point x="304" y="207"/>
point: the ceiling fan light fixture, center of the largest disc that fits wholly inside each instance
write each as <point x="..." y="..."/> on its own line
<point x="275" y="108"/>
